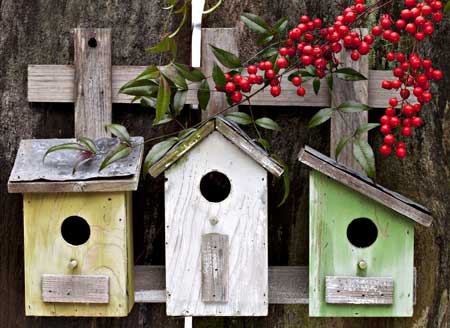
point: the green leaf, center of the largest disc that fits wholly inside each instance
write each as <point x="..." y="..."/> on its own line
<point x="148" y="102"/>
<point x="163" y="46"/>
<point x="267" y="53"/>
<point x="121" y="150"/>
<point x="184" y="10"/>
<point x="163" y="99"/>
<point x="226" y="58"/>
<point x="316" y="86"/>
<point x="330" y="81"/>
<point x="281" y="25"/>
<point x="240" y="118"/>
<point x="151" y="72"/>
<point x="349" y="74"/>
<point x="263" y="142"/>
<point x="213" y="8"/>
<point x="193" y="74"/>
<point x="340" y="147"/>
<point x="264" y="39"/>
<point x="179" y="100"/>
<point x="203" y="95"/>
<point x="307" y="72"/>
<point x="268" y="123"/>
<point x="80" y="162"/>
<point x="366" y="128"/>
<point x="89" y="143"/>
<point x="364" y="155"/>
<point x="447" y="6"/>
<point x="66" y="146"/>
<point x="157" y="152"/>
<point x="255" y="23"/>
<point x="353" y="107"/>
<point x="172" y="74"/>
<point x="140" y="88"/>
<point x="311" y="70"/>
<point x="218" y="76"/>
<point x="166" y="119"/>
<point x="286" y="184"/>
<point x="119" y="131"/>
<point x="321" y="117"/>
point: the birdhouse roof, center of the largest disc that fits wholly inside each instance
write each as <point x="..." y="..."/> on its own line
<point x="365" y="186"/>
<point x="31" y="173"/>
<point x="231" y="132"/>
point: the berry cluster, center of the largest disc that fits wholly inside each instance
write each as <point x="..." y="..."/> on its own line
<point x="310" y="44"/>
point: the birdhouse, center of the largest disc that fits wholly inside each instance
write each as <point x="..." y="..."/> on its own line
<point x="77" y="229"/>
<point x="361" y="247"/>
<point x="216" y="223"/>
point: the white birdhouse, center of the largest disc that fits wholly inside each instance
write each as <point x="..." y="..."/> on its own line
<point x="216" y="223"/>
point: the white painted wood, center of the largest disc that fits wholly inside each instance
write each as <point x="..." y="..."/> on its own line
<point x="75" y="288"/>
<point x="188" y="322"/>
<point x="55" y="83"/>
<point x="359" y="290"/>
<point x="242" y="216"/>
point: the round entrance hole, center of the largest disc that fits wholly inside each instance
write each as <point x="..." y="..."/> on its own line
<point x="75" y="230"/>
<point x="215" y="186"/>
<point x="362" y="232"/>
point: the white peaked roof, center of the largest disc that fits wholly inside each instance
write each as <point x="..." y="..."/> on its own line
<point x="232" y="133"/>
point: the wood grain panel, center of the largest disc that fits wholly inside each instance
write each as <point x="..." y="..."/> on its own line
<point x="75" y="288"/>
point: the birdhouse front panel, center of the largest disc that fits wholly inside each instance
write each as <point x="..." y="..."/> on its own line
<point x="361" y="254"/>
<point x="216" y="232"/>
<point x="78" y="254"/>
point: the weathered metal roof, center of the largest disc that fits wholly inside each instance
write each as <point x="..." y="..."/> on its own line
<point x="230" y="131"/>
<point x="57" y="167"/>
<point x="365" y="185"/>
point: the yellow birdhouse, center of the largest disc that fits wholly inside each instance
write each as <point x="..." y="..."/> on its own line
<point x="77" y="229"/>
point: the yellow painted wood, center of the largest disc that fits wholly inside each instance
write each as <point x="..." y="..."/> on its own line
<point x="108" y="250"/>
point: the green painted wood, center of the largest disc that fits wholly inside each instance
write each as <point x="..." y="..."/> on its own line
<point x="332" y="208"/>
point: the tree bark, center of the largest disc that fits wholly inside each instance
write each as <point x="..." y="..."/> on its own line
<point x="39" y="32"/>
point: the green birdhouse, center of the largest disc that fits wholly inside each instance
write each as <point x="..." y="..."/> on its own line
<point x="361" y="249"/>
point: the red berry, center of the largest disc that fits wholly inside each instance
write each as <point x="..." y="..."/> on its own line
<point x="301" y="91"/>
<point x="420" y="36"/>
<point x="230" y="87"/>
<point x="410" y="28"/>
<point x="416" y="121"/>
<point x="410" y="3"/>
<point x="385" y="129"/>
<point x="368" y="39"/>
<point x="404" y="93"/>
<point x="395" y="37"/>
<point x="270" y="74"/>
<point x="390" y="56"/>
<point x="296" y="80"/>
<point x="227" y="77"/>
<point x="406" y="131"/>
<point x="377" y="30"/>
<point x="283" y="52"/>
<point x="237" y="78"/>
<point x="400" y="24"/>
<point x="401" y="144"/>
<point x="406" y="122"/>
<point x="364" y="48"/>
<point x="268" y="65"/>
<point x="401" y="152"/>
<point x="385" y="119"/>
<point x="386" y="150"/>
<point x="394" y="122"/>
<point x="252" y="69"/>
<point x="389" y="139"/>
<point x="437" y="75"/>
<point x="244" y="84"/>
<point x="275" y="91"/>
<point x="355" y="55"/>
<point x="437" y="17"/>
<point x="393" y="102"/>
<point x="407" y="110"/>
<point x="386" y="85"/>
<point x="390" y="111"/>
<point x="281" y="62"/>
<point x="262" y="66"/>
<point x="236" y="96"/>
<point x="418" y="91"/>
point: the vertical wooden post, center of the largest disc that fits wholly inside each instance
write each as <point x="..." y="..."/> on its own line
<point x="93" y="94"/>
<point x="345" y="91"/>
<point x="226" y="39"/>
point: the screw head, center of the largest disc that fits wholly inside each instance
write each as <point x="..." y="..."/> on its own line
<point x="362" y="265"/>
<point x="214" y="221"/>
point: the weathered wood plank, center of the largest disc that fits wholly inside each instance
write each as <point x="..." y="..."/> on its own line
<point x="359" y="290"/>
<point x="92" y="85"/>
<point x="226" y="39"/>
<point x="75" y="288"/>
<point x="287" y="284"/>
<point x="366" y="189"/>
<point x="215" y="254"/>
<point x="55" y="83"/>
<point x="258" y="155"/>
<point x="345" y="124"/>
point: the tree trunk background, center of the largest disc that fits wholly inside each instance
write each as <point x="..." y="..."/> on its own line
<point x="39" y="32"/>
